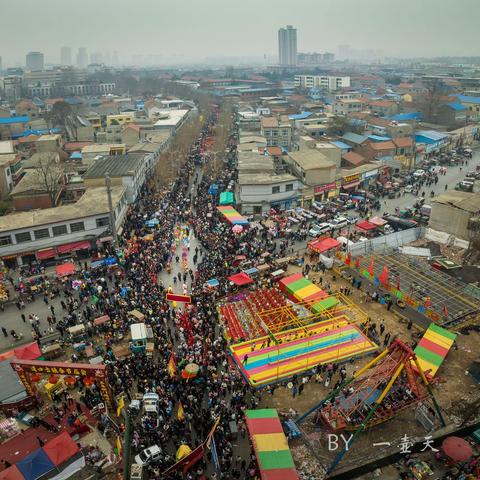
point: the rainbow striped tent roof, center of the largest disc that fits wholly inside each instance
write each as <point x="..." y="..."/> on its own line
<point x="232" y="216"/>
<point x="433" y="348"/>
<point x="271" y="447"/>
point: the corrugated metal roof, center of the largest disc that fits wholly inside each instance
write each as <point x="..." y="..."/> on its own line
<point x="469" y="202"/>
<point x="456" y="106"/>
<point x="342" y="145"/>
<point x="354" y="138"/>
<point x="402" y="117"/>
<point x="432" y="134"/>
<point x="468" y="99"/>
<point x="115" y="165"/>
<point x="300" y="116"/>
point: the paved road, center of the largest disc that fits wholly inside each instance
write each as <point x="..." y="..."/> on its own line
<point x="452" y="177"/>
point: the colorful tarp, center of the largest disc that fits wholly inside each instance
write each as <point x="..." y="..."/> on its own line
<point x="35" y="465"/>
<point x="324" y="244"/>
<point x="227" y="198"/>
<point x="324" y="304"/>
<point x="240" y="279"/>
<point x="433" y="348"/>
<point x="28" y="352"/>
<point x="275" y="461"/>
<point x="232" y="216"/>
<point x="61" y="448"/>
<point x="298" y="351"/>
<point x="65" y="269"/>
<point x="299" y="289"/>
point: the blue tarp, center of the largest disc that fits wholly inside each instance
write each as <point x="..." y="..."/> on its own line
<point x="11" y="120"/>
<point x="76" y="156"/>
<point x="465" y="98"/>
<point x="35" y="465"/>
<point x="456" y="106"/>
<point x="404" y="117"/>
<point x="213" y="282"/>
<point x="213" y="190"/>
<point x="300" y="116"/>
<point x="26" y="133"/>
<point x="379" y="138"/>
<point x="152" y="222"/>
<point x="251" y="271"/>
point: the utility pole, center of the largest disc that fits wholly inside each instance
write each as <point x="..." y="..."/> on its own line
<point x="108" y="184"/>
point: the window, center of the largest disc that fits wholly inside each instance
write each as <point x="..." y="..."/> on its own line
<point x="289" y="187"/>
<point x="23" y="237"/>
<point x="59" y="230"/>
<point x="77" y="227"/>
<point x="6" y="240"/>
<point x="43" y="233"/>
<point x="275" y="189"/>
<point x="102" y="222"/>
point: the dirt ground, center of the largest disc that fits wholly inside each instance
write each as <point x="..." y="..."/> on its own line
<point x="453" y="390"/>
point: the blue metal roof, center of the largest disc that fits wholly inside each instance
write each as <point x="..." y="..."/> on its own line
<point x="403" y="117"/>
<point x="73" y="101"/>
<point x="300" y="116"/>
<point x="25" y="133"/>
<point x="76" y="156"/>
<point x="431" y="135"/>
<point x="354" y="138"/>
<point x="467" y="99"/>
<point x="342" y="145"/>
<point x="378" y="138"/>
<point x="456" y="106"/>
<point x="11" y="120"/>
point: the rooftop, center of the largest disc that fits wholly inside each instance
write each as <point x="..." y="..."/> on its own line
<point x="11" y="120"/>
<point x="49" y="137"/>
<point x="33" y="181"/>
<point x="469" y="202"/>
<point x="250" y="162"/>
<point x="403" y="142"/>
<point x="93" y="202"/>
<point x="41" y="158"/>
<point x="115" y="165"/>
<point x="264" y="178"/>
<point x="367" y="167"/>
<point x="310" y="159"/>
<point x="354" y="138"/>
<point x="6" y="147"/>
<point x="8" y="159"/>
<point x="101" y="147"/>
<point x="269" y="122"/>
<point x="432" y="134"/>
<point x="382" y="145"/>
<point x="353" y="158"/>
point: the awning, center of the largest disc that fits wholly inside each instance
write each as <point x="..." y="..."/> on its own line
<point x="378" y="221"/>
<point x="346" y="186"/>
<point x="367" y="226"/>
<point x="73" y="247"/>
<point x="240" y="279"/>
<point x="45" y="253"/>
<point x="323" y="244"/>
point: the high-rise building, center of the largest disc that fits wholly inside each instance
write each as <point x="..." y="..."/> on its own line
<point x="287" y="46"/>
<point x="96" y="58"/>
<point x="34" y="61"/>
<point x="1" y="66"/>
<point x="66" y="56"/>
<point x="82" y="58"/>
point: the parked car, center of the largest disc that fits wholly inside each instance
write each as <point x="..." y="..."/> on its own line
<point x="339" y="222"/>
<point x="149" y="455"/>
<point x="408" y="188"/>
<point x="318" y="229"/>
<point x="419" y="173"/>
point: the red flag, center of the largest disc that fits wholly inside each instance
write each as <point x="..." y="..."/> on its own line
<point x="427" y="302"/>
<point x="357" y="262"/>
<point x="370" y="268"/>
<point x="398" y="283"/>
<point x="445" y="311"/>
<point x="193" y="458"/>
<point x="384" y="276"/>
<point x="348" y="259"/>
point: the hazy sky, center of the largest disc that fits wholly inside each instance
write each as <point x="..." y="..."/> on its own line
<point x="195" y="29"/>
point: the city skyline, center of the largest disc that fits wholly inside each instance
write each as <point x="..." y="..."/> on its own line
<point x="190" y="32"/>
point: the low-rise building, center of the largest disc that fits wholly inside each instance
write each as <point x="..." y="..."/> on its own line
<point x="60" y="231"/>
<point x="258" y="192"/>
<point x="452" y="114"/>
<point x="312" y="167"/>
<point x="453" y="212"/>
<point x="95" y="150"/>
<point x="347" y="106"/>
<point x="384" y="108"/>
<point x="49" y="143"/>
<point x="277" y="131"/>
<point x="129" y="171"/>
<point x="7" y="160"/>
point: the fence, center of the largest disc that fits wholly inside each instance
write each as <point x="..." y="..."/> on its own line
<point x="386" y="243"/>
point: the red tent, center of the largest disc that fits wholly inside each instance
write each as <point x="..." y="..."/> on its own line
<point x="367" y="226"/>
<point x="458" y="449"/>
<point x="11" y="473"/>
<point x="65" y="269"/>
<point x="241" y="279"/>
<point x="60" y="448"/>
<point x="28" y="352"/>
<point x="321" y="245"/>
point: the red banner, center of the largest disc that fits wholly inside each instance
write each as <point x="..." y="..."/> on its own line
<point x="172" y="297"/>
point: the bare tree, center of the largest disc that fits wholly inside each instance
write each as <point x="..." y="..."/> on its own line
<point x="49" y="174"/>
<point x="432" y="99"/>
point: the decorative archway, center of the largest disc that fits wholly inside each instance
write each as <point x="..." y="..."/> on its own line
<point x="25" y="368"/>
